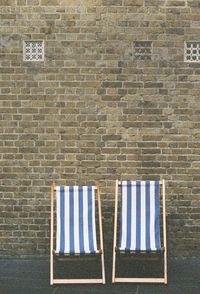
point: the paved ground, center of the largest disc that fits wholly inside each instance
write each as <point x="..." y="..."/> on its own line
<point x="31" y="276"/>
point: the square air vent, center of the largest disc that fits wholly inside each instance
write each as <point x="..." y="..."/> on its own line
<point x="33" y="51"/>
<point x="142" y="50"/>
<point x="192" y="52"/>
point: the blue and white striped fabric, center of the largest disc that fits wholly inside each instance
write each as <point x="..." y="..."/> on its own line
<point x="76" y="227"/>
<point x="140" y="216"/>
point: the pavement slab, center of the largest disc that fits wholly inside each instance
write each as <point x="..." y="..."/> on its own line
<point x="31" y="276"/>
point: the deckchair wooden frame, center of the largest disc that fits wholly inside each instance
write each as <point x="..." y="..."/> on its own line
<point x="101" y="251"/>
<point x="139" y="280"/>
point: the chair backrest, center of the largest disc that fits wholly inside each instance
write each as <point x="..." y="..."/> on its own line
<point x="75" y="214"/>
<point x="140" y="216"/>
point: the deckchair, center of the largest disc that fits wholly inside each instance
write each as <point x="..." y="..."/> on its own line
<point x="75" y="228"/>
<point x="140" y="224"/>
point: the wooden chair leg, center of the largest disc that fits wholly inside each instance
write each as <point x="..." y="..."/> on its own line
<point x="115" y="232"/>
<point x="51" y="236"/>
<point x="164" y="232"/>
<point x="101" y="235"/>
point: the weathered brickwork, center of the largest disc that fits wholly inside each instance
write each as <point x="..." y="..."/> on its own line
<point x="112" y="99"/>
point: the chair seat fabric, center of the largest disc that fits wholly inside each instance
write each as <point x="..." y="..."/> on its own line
<point x="140" y="216"/>
<point x="76" y="227"/>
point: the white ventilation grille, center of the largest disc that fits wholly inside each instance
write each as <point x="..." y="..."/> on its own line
<point x="33" y="51"/>
<point x="192" y="52"/>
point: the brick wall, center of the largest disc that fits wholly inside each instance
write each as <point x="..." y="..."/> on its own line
<point x="112" y="99"/>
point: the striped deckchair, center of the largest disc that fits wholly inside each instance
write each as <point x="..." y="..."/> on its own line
<point x="139" y="223"/>
<point x="75" y="227"/>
